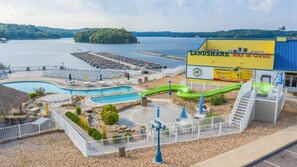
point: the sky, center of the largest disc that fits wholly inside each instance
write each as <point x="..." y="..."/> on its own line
<point x="153" y="15"/>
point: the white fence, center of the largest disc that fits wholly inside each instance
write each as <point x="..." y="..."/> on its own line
<point x="208" y="127"/>
<point x="205" y="86"/>
<point x="173" y="72"/>
<point x="76" y="138"/>
<point x="168" y="136"/>
<point x="93" y="75"/>
<point x="23" y="130"/>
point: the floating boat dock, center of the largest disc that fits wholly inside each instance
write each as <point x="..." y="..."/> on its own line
<point x="162" y="55"/>
<point x="104" y="60"/>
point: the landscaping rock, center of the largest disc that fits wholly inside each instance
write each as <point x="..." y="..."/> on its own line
<point x="128" y="130"/>
<point x="123" y="127"/>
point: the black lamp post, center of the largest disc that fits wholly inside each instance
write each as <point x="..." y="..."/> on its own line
<point x="169" y="82"/>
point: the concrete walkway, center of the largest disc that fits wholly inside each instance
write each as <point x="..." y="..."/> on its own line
<point x="254" y="151"/>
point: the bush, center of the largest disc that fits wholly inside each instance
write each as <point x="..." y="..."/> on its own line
<point x="218" y="100"/>
<point x="111" y="118"/>
<point x="33" y="95"/>
<point x="90" y="131"/>
<point x="117" y="139"/>
<point x="78" y="110"/>
<point x="84" y="123"/>
<point x="211" y="114"/>
<point x="108" y="107"/>
<point x="96" y="135"/>
<point x="40" y="91"/>
<point x="104" y="135"/>
<point x="73" y="117"/>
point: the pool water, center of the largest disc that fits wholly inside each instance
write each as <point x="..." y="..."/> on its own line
<point x="29" y="86"/>
<point x="116" y="98"/>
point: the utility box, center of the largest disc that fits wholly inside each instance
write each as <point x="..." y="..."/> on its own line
<point x="144" y="101"/>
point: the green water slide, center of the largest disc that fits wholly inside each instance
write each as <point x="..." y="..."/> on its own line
<point x="185" y="91"/>
<point x="263" y="88"/>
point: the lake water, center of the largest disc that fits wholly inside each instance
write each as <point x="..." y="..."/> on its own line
<point x="54" y="52"/>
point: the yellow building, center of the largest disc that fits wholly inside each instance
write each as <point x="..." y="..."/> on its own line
<point x="232" y="61"/>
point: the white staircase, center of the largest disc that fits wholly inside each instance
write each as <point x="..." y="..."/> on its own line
<point x="243" y="106"/>
<point x="241" y="109"/>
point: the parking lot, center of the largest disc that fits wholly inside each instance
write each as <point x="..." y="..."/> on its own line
<point x="286" y="157"/>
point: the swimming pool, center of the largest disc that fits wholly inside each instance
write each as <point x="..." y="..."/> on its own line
<point x="116" y="98"/>
<point x="29" y="86"/>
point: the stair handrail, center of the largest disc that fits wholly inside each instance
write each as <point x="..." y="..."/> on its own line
<point x="245" y="88"/>
<point x="249" y="108"/>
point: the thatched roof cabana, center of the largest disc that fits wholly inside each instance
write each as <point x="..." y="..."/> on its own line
<point x="11" y="98"/>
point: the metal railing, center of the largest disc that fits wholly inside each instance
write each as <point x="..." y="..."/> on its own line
<point x="168" y="136"/>
<point x="93" y="75"/>
<point x="204" y="86"/>
<point x="208" y="127"/>
<point x="23" y="130"/>
<point x="245" y="88"/>
<point x="249" y="108"/>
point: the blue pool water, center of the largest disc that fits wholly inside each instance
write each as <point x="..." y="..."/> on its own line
<point x="29" y="86"/>
<point x="116" y="98"/>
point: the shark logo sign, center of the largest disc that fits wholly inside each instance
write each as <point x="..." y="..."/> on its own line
<point x="197" y="72"/>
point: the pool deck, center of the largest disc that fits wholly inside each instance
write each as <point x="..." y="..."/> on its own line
<point x="38" y="76"/>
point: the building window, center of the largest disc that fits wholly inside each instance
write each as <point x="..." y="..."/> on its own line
<point x="266" y="78"/>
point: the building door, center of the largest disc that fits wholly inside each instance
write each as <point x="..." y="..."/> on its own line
<point x="291" y="82"/>
<point x="266" y="78"/>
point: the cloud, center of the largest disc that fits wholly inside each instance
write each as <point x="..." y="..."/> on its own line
<point x="262" y="5"/>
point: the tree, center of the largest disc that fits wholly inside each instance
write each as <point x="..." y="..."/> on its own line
<point x="105" y="36"/>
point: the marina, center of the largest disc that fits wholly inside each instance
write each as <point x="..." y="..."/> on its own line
<point x="104" y="60"/>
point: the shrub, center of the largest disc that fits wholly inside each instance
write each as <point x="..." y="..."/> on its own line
<point x="111" y="118"/>
<point x="108" y="107"/>
<point x="116" y="139"/>
<point x="90" y="131"/>
<point x="96" y="135"/>
<point x="218" y="100"/>
<point x="40" y="91"/>
<point x="211" y="114"/>
<point x="84" y="123"/>
<point x="78" y="110"/>
<point x="104" y="135"/>
<point x="33" y="95"/>
<point x="128" y="135"/>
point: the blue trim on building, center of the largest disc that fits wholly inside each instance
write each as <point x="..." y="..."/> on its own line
<point x="286" y="56"/>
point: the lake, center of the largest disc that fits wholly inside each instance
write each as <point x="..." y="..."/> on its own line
<point x="54" y="52"/>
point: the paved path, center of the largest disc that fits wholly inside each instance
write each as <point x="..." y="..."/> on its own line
<point x="254" y="151"/>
